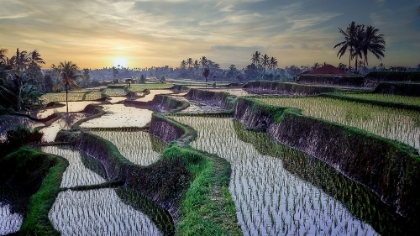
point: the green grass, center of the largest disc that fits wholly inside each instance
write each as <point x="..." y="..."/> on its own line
<point x="389" y="122"/>
<point x="205" y="211"/>
<point x="50" y="168"/>
<point x="141" y="87"/>
<point x="396" y="99"/>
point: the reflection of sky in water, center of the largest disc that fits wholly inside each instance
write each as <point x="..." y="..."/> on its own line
<point x="9" y="222"/>
<point x="73" y="107"/>
<point x="118" y="115"/>
<point x="269" y="199"/>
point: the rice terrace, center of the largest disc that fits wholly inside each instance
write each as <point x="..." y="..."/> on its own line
<point x="201" y="148"/>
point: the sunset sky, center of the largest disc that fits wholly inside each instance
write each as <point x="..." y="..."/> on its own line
<point x="145" y="33"/>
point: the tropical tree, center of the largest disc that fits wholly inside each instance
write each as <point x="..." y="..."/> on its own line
<point x="203" y="61"/>
<point x="273" y="63"/>
<point x="370" y="41"/>
<point x="19" y="61"/>
<point x="256" y="58"/>
<point x="349" y="41"/>
<point x="3" y="58"/>
<point x="190" y="62"/>
<point x="69" y="73"/>
<point x="265" y="61"/>
<point x="196" y="64"/>
<point x="206" y="74"/>
<point x="35" y="58"/>
<point x="183" y="64"/>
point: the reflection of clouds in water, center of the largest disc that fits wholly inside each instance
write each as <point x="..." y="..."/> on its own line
<point x="118" y="115"/>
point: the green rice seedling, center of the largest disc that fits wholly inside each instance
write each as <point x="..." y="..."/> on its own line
<point x="76" y="173"/>
<point x="98" y="212"/>
<point x="409" y="100"/>
<point x="134" y="146"/>
<point x="142" y="87"/>
<point x="115" y="92"/>
<point x="395" y="124"/>
<point x="251" y="171"/>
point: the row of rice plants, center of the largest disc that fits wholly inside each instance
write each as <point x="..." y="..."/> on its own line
<point x="409" y="100"/>
<point x="71" y="97"/>
<point x="142" y="87"/>
<point x="359" y="200"/>
<point x="76" y="173"/>
<point x="10" y="222"/>
<point x="396" y="124"/>
<point x="136" y="146"/>
<point x="115" y="92"/>
<point x="98" y="212"/>
<point x="270" y="200"/>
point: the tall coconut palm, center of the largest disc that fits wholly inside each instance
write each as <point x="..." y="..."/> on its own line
<point x="265" y="61"/>
<point x="256" y="58"/>
<point x="203" y="61"/>
<point x="183" y="64"/>
<point x="273" y="63"/>
<point x="196" y="64"/>
<point x="35" y="58"/>
<point x="373" y="42"/>
<point x="190" y="62"/>
<point x="69" y="73"/>
<point x="3" y="58"/>
<point x="20" y="60"/>
<point x="348" y="43"/>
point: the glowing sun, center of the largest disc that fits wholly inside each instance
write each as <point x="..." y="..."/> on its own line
<point x="118" y="61"/>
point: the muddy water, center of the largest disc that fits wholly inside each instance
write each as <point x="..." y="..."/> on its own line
<point x="269" y="199"/>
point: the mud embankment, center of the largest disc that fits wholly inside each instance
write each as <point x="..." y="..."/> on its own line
<point x="281" y="88"/>
<point x="337" y="80"/>
<point x="160" y="103"/>
<point x="389" y="169"/>
<point x="401" y="89"/>
<point x="220" y="99"/>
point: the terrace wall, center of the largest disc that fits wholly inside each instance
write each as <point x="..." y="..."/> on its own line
<point x="402" y="89"/>
<point x="390" y="169"/>
<point x="221" y="99"/>
<point x="159" y="103"/>
<point x="374" y="78"/>
<point x="270" y="87"/>
<point x="340" y="80"/>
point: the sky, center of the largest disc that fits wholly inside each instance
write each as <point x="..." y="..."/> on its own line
<point x="145" y="33"/>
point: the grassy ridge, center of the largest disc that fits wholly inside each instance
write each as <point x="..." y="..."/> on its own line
<point x="365" y="157"/>
<point x="38" y="169"/>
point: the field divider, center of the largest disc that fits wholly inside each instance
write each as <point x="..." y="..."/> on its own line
<point x="390" y="169"/>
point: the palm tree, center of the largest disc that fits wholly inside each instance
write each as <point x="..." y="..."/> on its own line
<point x="348" y="42"/>
<point x="190" y="62"/>
<point x="196" y="64"/>
<point x="35" y="58"/>
<point x="371" y="41"/>
<point x="256" y="58"/>
<point x="265" y="60"/>
<point x="3" y="58"/>
<point x="272" y="63"/>
<point x="20" y="60"/>
<point x="203" y="61"/>
<point x="69" y="73"/>
<point x="183" y="64"/>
